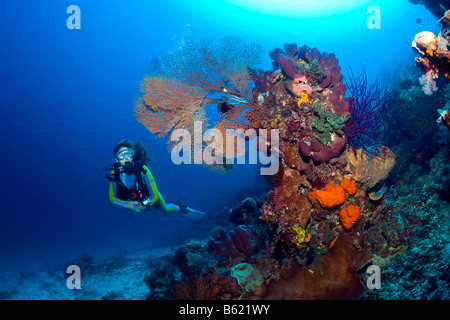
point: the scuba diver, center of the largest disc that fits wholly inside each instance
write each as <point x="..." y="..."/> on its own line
<point x="132" y="186"/>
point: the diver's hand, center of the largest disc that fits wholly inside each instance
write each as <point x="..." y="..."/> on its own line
<point x="131" y="205"/>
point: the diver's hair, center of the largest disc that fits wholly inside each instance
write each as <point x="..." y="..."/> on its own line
<point x="140" y="153"/>
<point x="140" y="156"/>
<point x="127" y="143"/>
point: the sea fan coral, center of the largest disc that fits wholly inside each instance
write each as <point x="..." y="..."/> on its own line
<point x="206" y="287"/>
<point x="183" y="83"/>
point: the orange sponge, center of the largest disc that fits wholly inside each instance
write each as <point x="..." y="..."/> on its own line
<point x="349" y="216"/>
<point x="330" y="196"/>
<point x="348" y="186"/>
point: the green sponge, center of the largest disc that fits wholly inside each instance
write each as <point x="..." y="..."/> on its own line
<point x="326" y="123"/>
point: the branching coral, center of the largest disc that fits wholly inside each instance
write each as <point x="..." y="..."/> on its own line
<point x="366" y="127"/>
<point x="221" y="68"/>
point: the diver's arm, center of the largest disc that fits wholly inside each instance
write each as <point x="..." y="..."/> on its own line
<point x="168" y="208"/>
<point x="113" y="198"/>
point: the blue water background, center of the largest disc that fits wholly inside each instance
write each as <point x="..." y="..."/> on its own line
<point x="66" y="100"/>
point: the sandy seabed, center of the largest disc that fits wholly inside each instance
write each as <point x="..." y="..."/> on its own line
<point x="119" y="277"/>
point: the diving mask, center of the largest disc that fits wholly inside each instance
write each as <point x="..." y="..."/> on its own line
<point x="120" y="155"/>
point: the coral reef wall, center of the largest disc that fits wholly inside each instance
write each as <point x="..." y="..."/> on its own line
<point x="320" y="223"/>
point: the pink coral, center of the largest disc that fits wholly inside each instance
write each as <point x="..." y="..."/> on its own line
<point x="428" y="84"/>
<point x="300" y="85"/>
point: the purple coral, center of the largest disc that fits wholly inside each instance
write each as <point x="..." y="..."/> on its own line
<point x="287" y="60"/>
<point x="243" y="239"/>
<point x="319" y="152"/>
<point x="368" y="106"/>
<point x="234" y="244"/>
<point x="333" y="80"/>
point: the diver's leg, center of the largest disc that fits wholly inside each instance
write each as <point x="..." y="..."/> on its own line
<point x="168" y="208"/>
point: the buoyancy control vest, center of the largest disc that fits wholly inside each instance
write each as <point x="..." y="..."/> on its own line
<point x="138" y="192"/>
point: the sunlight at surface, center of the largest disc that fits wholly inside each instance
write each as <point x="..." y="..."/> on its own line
<point x="300" y="8"/>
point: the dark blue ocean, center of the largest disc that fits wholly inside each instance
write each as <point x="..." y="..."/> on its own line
<point x="67" y="100"/>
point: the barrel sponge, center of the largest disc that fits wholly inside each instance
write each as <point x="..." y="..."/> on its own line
<point x="349" y="216"/>
<point x="329" y="197"/>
